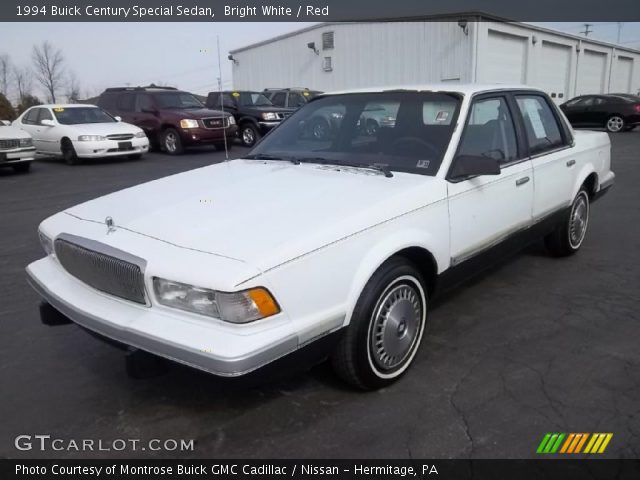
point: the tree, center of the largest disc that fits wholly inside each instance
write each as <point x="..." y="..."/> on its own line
<point x="5" y="73"/>
<point x="28" y="101"/>
<point x="48" y="64"/>
<point x="23" y="78"/>
<point x="6" y="110"/>
<point x="73" y="88"/>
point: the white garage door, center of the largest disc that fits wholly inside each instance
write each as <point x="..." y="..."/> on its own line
<point x="591" y="68"/>
<point x="506" y="56"/>
<point x="554" y="69"/>
<point x="621" y="77"/>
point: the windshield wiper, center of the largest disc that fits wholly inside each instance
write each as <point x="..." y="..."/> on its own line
<point x="325" y="161"/>
<point x="265" y="156"/>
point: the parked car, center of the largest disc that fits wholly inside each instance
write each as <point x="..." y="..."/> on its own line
<point x="171" y="118"/>
<point x="615" y="112"/>
<point x="77" y="132"/>
<point x="5" y="123"/>
<point x="253" y="111"/>
<point x="16" y="148"/>
<point x="290" y="97"/>
<point x="338" y="244"/>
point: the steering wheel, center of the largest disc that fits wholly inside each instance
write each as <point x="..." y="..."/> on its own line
<point x="404" y="141"/>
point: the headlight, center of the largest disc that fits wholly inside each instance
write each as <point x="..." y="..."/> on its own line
<point x="188" y="123"/>
<point x="239" y="307"/>
<point x="140" y="135"/>
<point x="47" y="244"/>
<point x="231" y="120"/>
<point x="91" y="138"/>
<point x="337" y="115"/>
<point x="269" y="116"/>
<point x="26" y="142"/>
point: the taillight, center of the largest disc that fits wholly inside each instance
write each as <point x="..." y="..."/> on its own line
<point x="636" y="107"/>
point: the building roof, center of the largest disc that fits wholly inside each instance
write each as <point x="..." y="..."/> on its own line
<point x="471" y="16"/>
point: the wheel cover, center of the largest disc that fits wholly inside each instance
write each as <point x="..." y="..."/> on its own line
<point x="396" y="326"/>
<point x="171" y="142"/>
<point x="579" y="220"/>
<point x="372" y="128"/>
<point x="615" y="124"/>
<point x="247" y="136"/>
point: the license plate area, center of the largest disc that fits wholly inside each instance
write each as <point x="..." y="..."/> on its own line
<point x="125" y="146"/>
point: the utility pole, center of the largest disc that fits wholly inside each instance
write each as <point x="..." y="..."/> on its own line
<point x="586" y="29"/>
<point x="620" y="24"/>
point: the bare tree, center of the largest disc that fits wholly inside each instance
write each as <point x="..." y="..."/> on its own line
<point x="5" y="73"/>
<point x="23" y="78"/>
<point x="73" y="88"/>
<point x="49" y="69"/>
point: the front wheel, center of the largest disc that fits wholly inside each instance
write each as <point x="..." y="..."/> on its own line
<point x="249" y="134"/>
<point x="171" y="142"/>
<point x="68" y="152"/>
<point x="615" y="124"/>
<point x="386" y="327"/>
<point x="568" y="236"/>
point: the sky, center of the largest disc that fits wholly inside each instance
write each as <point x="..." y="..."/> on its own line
<point x="180" y="54"/>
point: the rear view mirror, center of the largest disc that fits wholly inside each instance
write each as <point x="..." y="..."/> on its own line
<point x="47" y="123"/>
<point x="472" y="165"/>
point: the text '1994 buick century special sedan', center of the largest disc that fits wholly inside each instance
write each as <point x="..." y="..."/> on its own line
<point x="346" y="237"/>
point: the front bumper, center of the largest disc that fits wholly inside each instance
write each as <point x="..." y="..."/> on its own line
<point x="18" y="155"/>
<point x="220" y="350"/>
<point x="110" y="148"/>
<point x="195" y="136"/>
<point x="267" y="126"/>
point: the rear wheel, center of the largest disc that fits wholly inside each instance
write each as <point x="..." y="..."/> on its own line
<point x="386" y="327"/>
<point x="567" y="238"/>
<point x="22" y="167"/>
<point x="68" y="152"/>
<point x="615" y="124"/>
<point x="171" y="142"/>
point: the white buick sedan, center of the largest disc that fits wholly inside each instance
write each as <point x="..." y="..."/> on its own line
<point x="340" y="241"/>
<point x="77" y="131"/>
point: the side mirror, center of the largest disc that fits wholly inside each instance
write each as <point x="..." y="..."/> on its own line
<point x="47" y="123"/>
<point x="118" y="119"/>
<point x="472" y="165"/>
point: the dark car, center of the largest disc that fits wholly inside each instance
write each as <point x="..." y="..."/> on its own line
<point x="253" y="111"/>
<point x="171" y="118"/>
<point x="615" y="112"/>
<point x="290" y="97"/>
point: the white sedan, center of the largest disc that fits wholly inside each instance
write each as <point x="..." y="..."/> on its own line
<point x="78" y="131"/>
<point x="340" y="241"/>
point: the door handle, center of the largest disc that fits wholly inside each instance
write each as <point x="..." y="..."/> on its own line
<point x="571" y="163"/>
<point x="522" y="181"/>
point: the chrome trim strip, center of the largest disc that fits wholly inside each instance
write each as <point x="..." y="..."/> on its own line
<point x="103" y="248"/>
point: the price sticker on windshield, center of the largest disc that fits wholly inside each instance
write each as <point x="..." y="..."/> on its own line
<point x="58" y="109"/>
<point x="306" y="94"/>
<point x="236" y="94"/>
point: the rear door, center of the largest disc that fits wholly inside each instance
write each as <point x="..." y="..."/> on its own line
<point x="550" y="147"/>
<point x="126" y="105"/>
<point x="484" y="210"/>
<point x="146" y="114"/>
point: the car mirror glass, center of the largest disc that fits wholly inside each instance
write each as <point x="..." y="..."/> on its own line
<point x="474" y="165"/>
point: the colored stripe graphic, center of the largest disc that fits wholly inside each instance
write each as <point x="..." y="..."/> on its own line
<point x="573" y="443"/>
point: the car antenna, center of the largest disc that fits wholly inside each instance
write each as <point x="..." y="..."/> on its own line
<point x="224" y="128"/>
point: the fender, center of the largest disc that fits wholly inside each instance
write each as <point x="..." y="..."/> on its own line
<point x="585" y="171"/>
<point x="389" y="246"/>
<point x="247" y="119"/>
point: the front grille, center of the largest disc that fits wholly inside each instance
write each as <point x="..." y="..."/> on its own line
<point x="9" y="144"/>
<point x="212" y="123"/>
<point x="120" y="136"/>
<point x="101" y="271"/>
<point x="282" y="115"/>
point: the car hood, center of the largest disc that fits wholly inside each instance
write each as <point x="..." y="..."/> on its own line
<point x="110" y="128"/>
<point x="262" y="212"/>
<point x="7" y="133"/>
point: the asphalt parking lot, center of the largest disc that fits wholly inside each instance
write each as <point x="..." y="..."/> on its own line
<point x="535" y="345"/>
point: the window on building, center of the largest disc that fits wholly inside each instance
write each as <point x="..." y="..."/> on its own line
<point x="327" y="65"/>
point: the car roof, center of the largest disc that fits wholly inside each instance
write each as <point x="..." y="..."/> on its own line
<point x="463" y="88"/>
<point x="66" y="105"/>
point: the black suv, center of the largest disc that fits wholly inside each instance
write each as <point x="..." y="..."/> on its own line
<point x="253" y="111"/>
<point x="172" y="119"/>
<point x="290" y="97"/>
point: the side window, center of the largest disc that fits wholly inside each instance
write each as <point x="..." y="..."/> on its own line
<point x="126" y="103"/>
<point x="490" y="131"/>
<point x="278" y="99"/>
<point x="227" y="100"/>
<point x="144" y="102"/>
<point x="31" y="118"/>
<point x="44" y="114"/>
<point x="296" y="100"/>
<point x="541" y="125"/>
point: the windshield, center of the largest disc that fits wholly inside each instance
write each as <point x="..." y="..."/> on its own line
<point x="400" y="131"/>
<point x="248" y="99"/>
<point x="80" y="115"/>
<point x="177" y="100"/>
